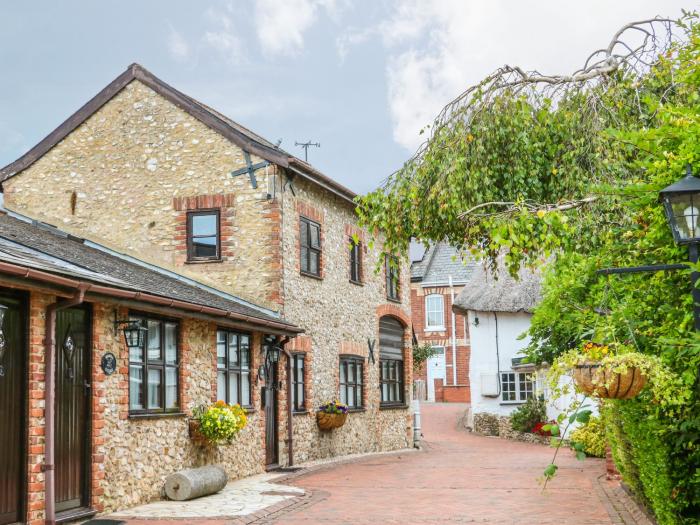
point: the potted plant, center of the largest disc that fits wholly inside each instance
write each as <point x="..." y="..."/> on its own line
<point x="610" y="371"/>
<point x="331" y="415"/>
<point x="216" y="424"/>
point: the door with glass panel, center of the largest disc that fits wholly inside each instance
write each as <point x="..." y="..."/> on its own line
<point x="72" y="429"/>
<point x="13" y="356"/>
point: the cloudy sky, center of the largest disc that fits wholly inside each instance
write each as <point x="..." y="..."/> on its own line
<point x="362" y="77"/>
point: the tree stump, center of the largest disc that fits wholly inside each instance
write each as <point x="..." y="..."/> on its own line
<point x="195" y="482"/>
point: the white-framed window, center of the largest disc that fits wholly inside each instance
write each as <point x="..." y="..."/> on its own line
<point x="434" y="312"/>
<point x="517" y="387"/>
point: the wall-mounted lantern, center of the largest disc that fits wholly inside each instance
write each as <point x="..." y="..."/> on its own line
<point x="134" y="332"/>
<point x="681" y="202"/>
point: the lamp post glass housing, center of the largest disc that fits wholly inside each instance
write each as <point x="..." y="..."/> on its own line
<point x="682" y="205"/>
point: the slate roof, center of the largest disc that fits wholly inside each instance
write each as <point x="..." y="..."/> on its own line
<point x="42" y="247"/>
<point x="484" y="293"/>
<point x="439" y="262"/>
<point x="239" y="135"/>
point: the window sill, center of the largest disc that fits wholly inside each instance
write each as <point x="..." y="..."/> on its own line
<point x="394" y="406"/>
<point x="391" y="300"/>
<point x="158" y="415"/>
<point x="357" y="283"/>
<point x="358" y="410"/>
<point x="435" y="329"/>
<point x="204" y="261"/>
<point x="300" y="412"/>
<point x="511" y="403"/>
<point x="311" y="275"/>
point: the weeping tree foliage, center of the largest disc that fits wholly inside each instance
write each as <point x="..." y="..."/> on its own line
<point x="566" y="169"/>
<point x="522" y="161"/>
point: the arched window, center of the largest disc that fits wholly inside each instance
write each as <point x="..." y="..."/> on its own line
<point x="434" y="312"/>
<point x="391" y="378"/>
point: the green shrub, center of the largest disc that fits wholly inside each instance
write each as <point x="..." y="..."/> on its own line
<point x="592" y="437"/>
<point x="526" y="416"/>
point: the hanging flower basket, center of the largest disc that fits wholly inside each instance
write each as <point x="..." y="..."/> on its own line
<point x="330" y="421"/>
<point x="331" y="415"/>
<point x="596" y="379"/>
<point x="195" y="435"/>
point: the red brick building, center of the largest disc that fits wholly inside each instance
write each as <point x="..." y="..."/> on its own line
<point x="436" y="279"/>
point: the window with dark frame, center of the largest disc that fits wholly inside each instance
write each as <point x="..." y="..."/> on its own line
<point x="351" y="369"/>
<point x="392" y="277"/>
<point x="154" y="369"/>
<point x="298" y="385"/>
<point x="310" y="247"/>
<point x="203" y="235"/>
<point x="391" y="356"/>
<point x="355" y="261"/>
<point x="233" y="367"/>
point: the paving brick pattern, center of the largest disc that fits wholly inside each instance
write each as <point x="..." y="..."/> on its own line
<point x="463" y="478"/>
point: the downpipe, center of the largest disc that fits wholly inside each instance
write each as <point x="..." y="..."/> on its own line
<point x="50" y="399"/>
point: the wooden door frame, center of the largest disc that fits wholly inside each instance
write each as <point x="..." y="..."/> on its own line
<point x="274" y="412"/>
<point x="23" y="500"/>
<point x="86" y="508"/>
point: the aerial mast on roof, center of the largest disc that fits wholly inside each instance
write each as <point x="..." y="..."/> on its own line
<point x="306" y="145"/>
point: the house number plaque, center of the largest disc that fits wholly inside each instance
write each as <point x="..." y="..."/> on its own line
<point x="108" y="363"/>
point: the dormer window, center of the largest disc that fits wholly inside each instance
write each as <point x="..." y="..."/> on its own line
<point x="203" y="236"/>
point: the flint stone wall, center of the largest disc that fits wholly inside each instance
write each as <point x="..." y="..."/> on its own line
<point x="495" y="425"/>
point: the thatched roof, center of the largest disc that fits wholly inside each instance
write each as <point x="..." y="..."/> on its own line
<point x="484" y="293"/>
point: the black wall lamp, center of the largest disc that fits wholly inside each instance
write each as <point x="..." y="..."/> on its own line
<point x="134" y="331"/>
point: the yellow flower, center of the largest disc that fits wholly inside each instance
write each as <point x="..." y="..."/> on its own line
<point x="541" y="213"/>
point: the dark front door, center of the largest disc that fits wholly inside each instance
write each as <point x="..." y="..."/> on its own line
<point x="72" y="408"/>
<point x="269" y="399"/>
<point x="12" y="388"/>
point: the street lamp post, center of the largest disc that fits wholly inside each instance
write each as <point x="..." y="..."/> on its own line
<point x="681" y="202"/>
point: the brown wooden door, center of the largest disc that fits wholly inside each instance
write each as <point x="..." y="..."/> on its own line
<point x="13" y="357"/>
<point x="72" y="408"/>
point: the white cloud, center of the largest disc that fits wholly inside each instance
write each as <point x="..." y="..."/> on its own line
<point x="178" y="46"/>
<point x="223" y="37"/>
<point x="281" y="24"/>
<point x="438" y="49"/>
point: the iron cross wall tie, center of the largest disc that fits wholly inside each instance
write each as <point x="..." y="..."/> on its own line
<point x="250" y="169"/>
<point x="370" y="345"/>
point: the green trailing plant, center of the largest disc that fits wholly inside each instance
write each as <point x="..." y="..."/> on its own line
<point x="421" y="353"/>
<point x="527" y="416"/>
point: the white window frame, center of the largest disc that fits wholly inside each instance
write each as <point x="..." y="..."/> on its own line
<point x="437" y="327"/>
<point x="518" y="392"/>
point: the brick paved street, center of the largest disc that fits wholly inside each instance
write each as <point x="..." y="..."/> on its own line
<point x="458" y="478"/>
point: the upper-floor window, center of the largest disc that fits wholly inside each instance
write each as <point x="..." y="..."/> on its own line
<point x="203" y="235"/>
<point x="434" y="312"/>
<point x="298" y="394"/>
<point x="517" y="387"/>
<point x="351" y="381"/>
<point x="391" y="270"/>
<point x="355" y="261"/>
<point x="233" y="367"/>
<point x="391" y="372"/>
<point x="310" y="256"/>
<point x="154" y="368"/>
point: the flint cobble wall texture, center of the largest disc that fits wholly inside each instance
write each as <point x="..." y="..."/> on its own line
<point x="126" y="178"/>
<point x="120" y="176"/>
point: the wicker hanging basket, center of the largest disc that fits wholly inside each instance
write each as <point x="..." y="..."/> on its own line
<point x="594" y="379"/>
<point x="328" y="422"/>
<point x="195" y="435"/>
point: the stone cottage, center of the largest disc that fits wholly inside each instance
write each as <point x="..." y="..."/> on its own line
<point x="436" y="279"/>
<point x="120" y="409"/>
<point x="149" y="173"/>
